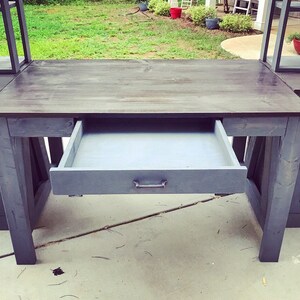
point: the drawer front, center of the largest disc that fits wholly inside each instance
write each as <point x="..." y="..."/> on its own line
<point x="72" y="182"/>
<point x="148" y="163"/>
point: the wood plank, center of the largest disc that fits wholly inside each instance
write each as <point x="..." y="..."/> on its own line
<point x="270" y="126"/>
<point x="41" y="159"/>
<point x="252" y="155"/>
<point x="72" y="147"/>
<point x="10" y="36"/>
<point x="295" y="207"/>
<point x="199" y="87"/>
<point x="22" y="155"/>
<point x="79" y="181"/>
<point x="40" y="127"/>
<point x="288" y="64"/>
<point x="281" y="193"/>
<point x="5" y="79"/>
<point x="3" y="223"/>
<point x="255" y="199"/>
<point x="283" y="18"/>
<point x="269" y="162"/>
<point x="41" y="198"/>
<point x="13" y="200"/>
<point x="294" y="6"/>
<point x="23" y="30"/>
<point x="224" y="143"/>
<point x="34" y="176"/>
<point x="292" y="80"/>
<point x="267" y="30"/>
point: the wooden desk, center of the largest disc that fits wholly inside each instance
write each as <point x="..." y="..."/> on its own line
<point x="249" y="99"/>
<point x="292" y="80"/>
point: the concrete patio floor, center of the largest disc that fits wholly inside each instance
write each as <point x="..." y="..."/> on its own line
<point x="249" y="47"/>
<point x="203" y="251"/>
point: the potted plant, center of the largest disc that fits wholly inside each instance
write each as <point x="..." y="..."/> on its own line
<point x="143" y="5"/>
<point x="211" y="20"/>
<point x="295" y="37"/>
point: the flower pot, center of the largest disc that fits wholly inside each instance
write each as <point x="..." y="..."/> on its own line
<point x="143" y="6"/>
<point x="175" y="12"/>
<point x="297" y="45"/>
<point x="212" y="23"/>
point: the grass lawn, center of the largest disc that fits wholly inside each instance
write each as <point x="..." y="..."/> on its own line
<point x="102" y="30"/>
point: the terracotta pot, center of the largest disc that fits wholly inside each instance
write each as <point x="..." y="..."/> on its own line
<point x="296" y="45"/>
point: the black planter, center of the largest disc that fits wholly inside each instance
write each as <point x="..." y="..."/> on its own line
<point x="212" y="23"/>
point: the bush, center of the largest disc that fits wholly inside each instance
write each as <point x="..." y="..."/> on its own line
<point x="162" y="9"/>
<point x="198" y="14"/>
<point x="152" y="4"/>
<point x="236" y="23"/>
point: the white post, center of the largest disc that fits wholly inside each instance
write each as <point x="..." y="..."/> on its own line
<point x="173" y="3"/>
<point x="210" y="3"/>
<point x="259" y="23"/>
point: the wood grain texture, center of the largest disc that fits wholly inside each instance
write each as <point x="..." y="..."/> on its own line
<point x="202" y="87"/>
<point x="88" y="182"/>
<point x="39" y="127"/>
<point x="21" y="148"/>
<point x="252" y="155"/>
<point x="5" y="79"/>
<point x="271" y="126"/>
<point x="33" y="164"/>
<point x="281" y="191"/>
<point x="13" y="199"/>
<point x="292" y="80"/>
<point x="254" y="197"/>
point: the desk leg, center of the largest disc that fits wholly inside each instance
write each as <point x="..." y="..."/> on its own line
<point x="13" y="197"/>
<point x="281" y="189"/>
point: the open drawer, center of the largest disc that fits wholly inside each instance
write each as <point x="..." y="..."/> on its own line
<point x="148" y="156"/>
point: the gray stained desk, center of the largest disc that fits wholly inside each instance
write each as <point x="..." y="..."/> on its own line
<point x="48" y="97"/>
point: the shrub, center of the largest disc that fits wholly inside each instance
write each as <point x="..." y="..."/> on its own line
<point x="162" y="9"/>
<point x="236" y="23"/>
<point x="152" y="4"/>
<point x="295" y="35"/>
<point x="198" y="14"/>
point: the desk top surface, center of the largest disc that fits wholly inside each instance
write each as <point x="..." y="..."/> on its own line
<point x="291" y="79"/>
<point x="200" y="87"/>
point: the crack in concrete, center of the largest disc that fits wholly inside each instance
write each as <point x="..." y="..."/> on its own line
<point x="108" y="227"/>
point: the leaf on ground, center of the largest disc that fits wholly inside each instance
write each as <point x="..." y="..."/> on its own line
<point x="57" y="271"/>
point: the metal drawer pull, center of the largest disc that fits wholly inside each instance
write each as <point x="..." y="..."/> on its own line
<point x="161" y="185"/>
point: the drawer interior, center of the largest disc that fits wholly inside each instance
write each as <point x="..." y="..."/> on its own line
<point x="124" y="156"/>
<point x="152" y="145"/>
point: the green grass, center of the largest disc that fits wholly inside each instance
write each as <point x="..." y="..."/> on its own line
<point x="101" y="30"/>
